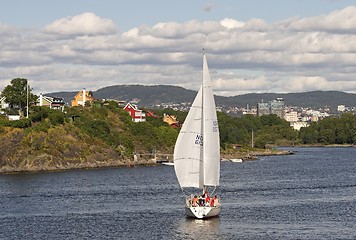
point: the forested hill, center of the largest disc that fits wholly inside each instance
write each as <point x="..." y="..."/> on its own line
<point x="152" y="95"/>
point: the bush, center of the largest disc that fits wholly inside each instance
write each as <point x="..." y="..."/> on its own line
<point x="39" y="113"/>
<point x="56" y="117"/>
<point x="22" y="123"/>
<point x="43" y="126"/>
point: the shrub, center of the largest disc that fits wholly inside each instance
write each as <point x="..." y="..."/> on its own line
<point x="22" y="123"/>
<point x="56" y="117"/>
<point x="39" y="113"/>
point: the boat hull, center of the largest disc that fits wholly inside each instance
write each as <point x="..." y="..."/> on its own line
<point x="202" y="212"/>
<point x="237" y="160"/>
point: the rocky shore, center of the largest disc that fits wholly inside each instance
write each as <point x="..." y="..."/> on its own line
<point x="38" y="165"/>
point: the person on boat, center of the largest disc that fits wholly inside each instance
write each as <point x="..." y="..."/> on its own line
<point x="201" y="200"/>
<point x="214" y="201"/>
<point x="207" y="200"/>
<point x="206" y="194"/>
<point x="195" y="201"/>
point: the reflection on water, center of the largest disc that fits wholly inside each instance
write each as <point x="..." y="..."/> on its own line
<point x="190" y="228"/>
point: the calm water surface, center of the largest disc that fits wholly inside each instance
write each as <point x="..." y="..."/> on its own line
<point x="309" y="195"/>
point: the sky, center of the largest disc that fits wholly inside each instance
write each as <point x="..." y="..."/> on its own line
<point x="255" y="46"/>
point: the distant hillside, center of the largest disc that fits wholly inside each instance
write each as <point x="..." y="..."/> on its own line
<point x="147" y="95"/>
<point x="152" y="95"/>
<point x="315" y="99"/>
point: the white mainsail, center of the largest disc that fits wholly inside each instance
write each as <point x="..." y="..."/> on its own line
<point x="197" y="149"/>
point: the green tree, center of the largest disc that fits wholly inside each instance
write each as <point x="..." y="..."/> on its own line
<point x="16" y="94"/>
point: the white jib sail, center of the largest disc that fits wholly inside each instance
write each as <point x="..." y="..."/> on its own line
<point x="197" y="149"/>
<point x="188" y="148"/>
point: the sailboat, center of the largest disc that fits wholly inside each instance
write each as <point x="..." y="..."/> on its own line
<point x="197" y="152"/>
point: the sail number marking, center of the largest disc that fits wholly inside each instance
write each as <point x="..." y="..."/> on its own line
<point x="215" y="126"/>
<point x="199" y="140"/>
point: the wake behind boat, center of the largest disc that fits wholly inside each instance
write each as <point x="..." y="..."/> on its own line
<point x="197" y="153"/>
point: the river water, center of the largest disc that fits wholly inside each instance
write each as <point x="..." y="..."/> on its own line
<point x="309" y="195"/>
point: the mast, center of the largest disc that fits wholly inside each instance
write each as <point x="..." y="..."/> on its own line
<point x="26" y="99"/>
<point x="202" y="168"/>
<point x="202" y="153"/>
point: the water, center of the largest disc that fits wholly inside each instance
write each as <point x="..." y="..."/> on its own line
<point x="309" y="195"/>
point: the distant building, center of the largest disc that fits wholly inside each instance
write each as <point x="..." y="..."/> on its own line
<point x="51" y="102"/>
<point x="136" y="114"/>
<point x="272" y="107"/>
<point x="299" y="125"/>
<point x="249" y="111"/>
<point x="13" y="117"/>
<point x="341" y="108"/>
<point x="277" y="107"/>
<point x="3" y="103"/>
<point x="82" y="97"/>
<point x="291" y="116"/>
<point x="171" y="120"/>
<point x="263" y="109"/>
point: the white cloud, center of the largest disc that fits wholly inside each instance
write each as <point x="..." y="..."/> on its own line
<point x="87" y="51"/>
<point x="85" y="24"/>
<point x="340" y="21"/>
<point x="230" y="23"/>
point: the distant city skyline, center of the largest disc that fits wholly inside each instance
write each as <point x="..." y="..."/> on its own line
<point x="272" y="46"/>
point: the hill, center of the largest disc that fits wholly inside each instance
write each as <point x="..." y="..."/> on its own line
<point x="152" y="95"/>
<point x="314" y="99"/>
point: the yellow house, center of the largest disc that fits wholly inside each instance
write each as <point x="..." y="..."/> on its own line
<point x="82" y="97"/>
<point x="171" y="120"/>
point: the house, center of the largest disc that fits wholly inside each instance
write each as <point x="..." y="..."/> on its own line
<point x="82" y="97"/>
<point x="171" y="120"/>
<point x="136" y="114"/>
<point x="3" y="103"/>
<point x="13" y="117"/>
<point x="51" y="102"/>
<point x="151" y="114"/>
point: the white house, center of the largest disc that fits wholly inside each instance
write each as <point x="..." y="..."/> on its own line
<point x="51" y="102"/>
<point x="3" y="103"/>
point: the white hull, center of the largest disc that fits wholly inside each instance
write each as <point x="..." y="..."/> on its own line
<point x="202" y="212"/>
<point x="168" y="163"/>
<point x="236" y="160"/>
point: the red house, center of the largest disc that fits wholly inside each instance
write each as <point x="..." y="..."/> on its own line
<point x="136" y="114"/>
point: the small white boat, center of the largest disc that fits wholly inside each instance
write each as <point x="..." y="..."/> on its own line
<point x="237" y="160"/>
<point x="197" y="151"/>
<point x="168" y="163"/>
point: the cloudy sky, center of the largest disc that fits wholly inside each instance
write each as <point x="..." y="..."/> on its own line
<point x="253" y="46"/>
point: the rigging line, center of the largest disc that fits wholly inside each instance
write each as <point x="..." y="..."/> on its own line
<point x="205" y="47"/>
<point x="212" y="193"/>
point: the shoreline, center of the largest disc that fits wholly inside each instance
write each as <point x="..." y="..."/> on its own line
<point x="226" y="155"/>
<point x="120" y="164"/>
